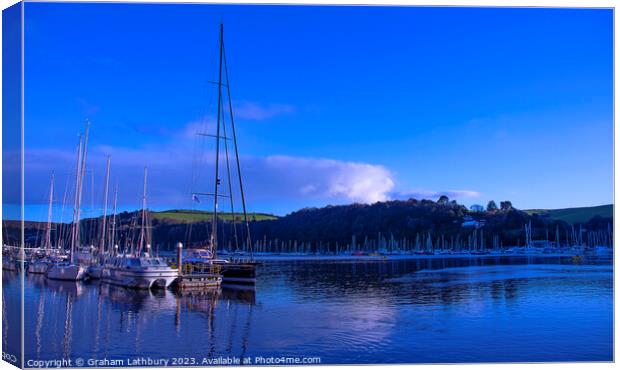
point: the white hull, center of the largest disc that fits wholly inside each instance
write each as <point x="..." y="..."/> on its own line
<point x="66" y="272"/>
<point x="139" y="279"/>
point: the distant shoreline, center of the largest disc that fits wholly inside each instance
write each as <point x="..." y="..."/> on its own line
<point x="301" y="257"/>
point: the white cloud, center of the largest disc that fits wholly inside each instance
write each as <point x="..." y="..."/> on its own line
<point x="255" y="111"/>
<point x="330" y="179"/>
<point x="203" y="125"/>
<point x="181" y="165"/>
<point x="175" y="172"/>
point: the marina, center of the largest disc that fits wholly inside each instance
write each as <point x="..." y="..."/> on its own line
<point x="399" y="185"/>
<point x="105" y="249"/>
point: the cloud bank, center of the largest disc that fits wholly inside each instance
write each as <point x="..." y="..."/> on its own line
<point x="180" y="167"/>
<point x="331" y="179"/>
<point x="176" y="171"/>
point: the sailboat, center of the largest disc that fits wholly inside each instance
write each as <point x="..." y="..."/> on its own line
<point x="238" y="271"/>
<point x="94" y="271"/>
<point x="8" y="263"/>
<point x="41" y="265"/>
<point x="139" y="269"/>
<point x="71" y="270"/>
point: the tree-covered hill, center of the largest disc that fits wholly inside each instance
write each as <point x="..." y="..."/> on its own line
<point x="576" y="214"/>
<point x="410" y="224"/>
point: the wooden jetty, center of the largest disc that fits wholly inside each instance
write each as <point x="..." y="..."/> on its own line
<point x="199" y="281"/>
<point x="196" y="276"/>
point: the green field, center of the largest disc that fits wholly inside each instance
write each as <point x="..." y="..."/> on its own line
<point x="576" y="215"/>
<point x="188" y="216"/>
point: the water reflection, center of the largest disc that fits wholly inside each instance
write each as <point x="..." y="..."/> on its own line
<point x="11" y="315"/>
<point x="344" y="312"/>
<point x="78" y="314"/>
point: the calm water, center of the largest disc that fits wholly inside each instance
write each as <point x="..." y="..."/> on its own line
<point x="407" y="311"/>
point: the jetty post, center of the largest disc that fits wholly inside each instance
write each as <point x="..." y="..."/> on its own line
<point x="180" y="258"/>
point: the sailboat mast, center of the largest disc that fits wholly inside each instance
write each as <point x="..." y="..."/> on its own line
<point x="217" y="147"/>
<point x="81" y="184"/>
<point x="78" y="196"/>
<point x="75" y="196"/>
<point x="143" y="238"/>
<point x="113" y="236"/>
<point x="230" y="187"/>
<point x="105" y="207"/>
<point x="48" y="229"/>
<point x="234" y="134"/>
<point x="61" y="234"/>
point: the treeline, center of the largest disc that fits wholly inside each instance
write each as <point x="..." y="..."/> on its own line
<point x="405" y="225"/>
<point x="424" y="224"/>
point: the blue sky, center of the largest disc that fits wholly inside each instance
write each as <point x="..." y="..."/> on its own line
<point x="334" y="104"/>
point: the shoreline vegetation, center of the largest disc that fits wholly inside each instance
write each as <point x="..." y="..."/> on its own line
<point x="391" y="227"/>
<point x="524" y="253"/>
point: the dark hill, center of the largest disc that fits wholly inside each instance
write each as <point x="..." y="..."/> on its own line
<point x="406" y="224"/>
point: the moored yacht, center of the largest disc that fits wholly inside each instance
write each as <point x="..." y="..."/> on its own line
<point x="72" y="270"/>
<point x="40" y="261"/>
<point x="66" y="271"/>
<point x="137" y="269"/>
<point x="39" y="266"/>
<point x="8" y="263"/>
<point x="138" y="272"/>
<point x="239" y="270"/>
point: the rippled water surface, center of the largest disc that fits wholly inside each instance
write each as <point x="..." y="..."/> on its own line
<point x="402" y="311"/>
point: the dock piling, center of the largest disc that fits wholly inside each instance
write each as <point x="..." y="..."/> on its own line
<point x="180" y="258"/>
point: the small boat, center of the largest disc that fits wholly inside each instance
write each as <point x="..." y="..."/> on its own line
<point x="39" y="266"/>
<point x="197" y="255"/>
<point x="8" y="264"/>
<point x="66" y="271"/>
<point x="40" y="262"/>
<point x="139" y="272"/>
<point x="241" y="272"/>
<point x="95" y="271"/>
